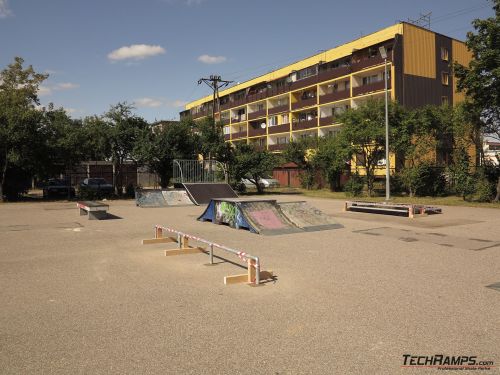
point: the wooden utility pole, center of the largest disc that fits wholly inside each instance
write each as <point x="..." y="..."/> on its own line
<point x="215" y="83"/>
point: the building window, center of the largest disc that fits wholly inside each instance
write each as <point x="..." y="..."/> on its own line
<point x="261" y="107"/>
<point x="444" y="54"/>
<point x="226" y="130"/>
<point x="445" y="100"/>
<point x="306" y="72"/>
<point x="445" y="78"/>
<point x="285" y="119"/>
<point x="273" y="121"/>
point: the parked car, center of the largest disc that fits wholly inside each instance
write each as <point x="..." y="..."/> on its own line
<point x="269" y="182"/>
<point x="56" y="187"/>
<point x="98" y="186"/>
<point x="264" y="182"/>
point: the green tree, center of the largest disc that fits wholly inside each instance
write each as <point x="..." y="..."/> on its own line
<point x="20" y="121"/>
<point x="364" y="129"/>
<point x="249" y="162"/>
<point x="300" y="152"/>
<point x="159" y="146"/>
<point x="481" y="79"/>
<point x="124" y="130"/>
<point x="332" y="158"/>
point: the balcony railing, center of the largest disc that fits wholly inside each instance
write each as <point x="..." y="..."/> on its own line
<point x="304" y="82"/>
<point x="371" y="87"/>
<point x="328" y="120"/>
<point x="239" y="135"/>
<point x="334" y="96"/>
<point x="256" y="96"/>
<point x="235" y="120"/>
<point x="333" y="73"/>
<point x="278" y="109"/>
<point x="224" y="121"/>
<point x="301" y="103"/>
<point x="252" y="132"/>
<point x="279" y="147"/>
<point x="258" y="146"/>
<point x="257" y="114"/>
<point x="227" y="137"/>
<point x="279" y="128"/>
<point x="366" y="62"/>
<point x="307" y="124"/>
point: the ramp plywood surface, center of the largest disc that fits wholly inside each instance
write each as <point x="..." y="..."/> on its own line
<point x="307" y="217"/>
<point x="202" y="193"/>
<point x="176" y="197"/>
<point x="149" y="198"/>
<point x="267" y="218"/>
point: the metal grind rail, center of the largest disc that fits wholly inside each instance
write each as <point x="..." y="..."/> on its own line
<point x="253" y="276"/>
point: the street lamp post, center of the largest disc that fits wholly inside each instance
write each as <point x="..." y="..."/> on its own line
<point x="383" y="53"/>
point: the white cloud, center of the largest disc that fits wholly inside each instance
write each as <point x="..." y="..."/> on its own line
<point x="207" y="59"/>
<point x="177" y="103"/>
<point x="148" y="102"/>
<point x="44" y="90"/>
<point x="66" y="86"/>
<point x="158" y="102"/>
<point x="4" y="9"/>
<point x="135" y="52"/>
<point x="185" y="2"/>
<point x="48" y="89"/>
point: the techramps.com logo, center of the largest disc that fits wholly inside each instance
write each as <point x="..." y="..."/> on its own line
<point x="447" y="362"/>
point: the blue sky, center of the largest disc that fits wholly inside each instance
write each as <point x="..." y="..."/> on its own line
<point x="152" y="52"/>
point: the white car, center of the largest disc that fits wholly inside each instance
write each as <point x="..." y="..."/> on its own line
<point x="264" y="182"/>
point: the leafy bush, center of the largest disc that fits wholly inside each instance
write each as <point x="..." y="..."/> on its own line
<point x="306" y="178"/>
<point x="424" y="180"/>
<point x="354" y="187"/>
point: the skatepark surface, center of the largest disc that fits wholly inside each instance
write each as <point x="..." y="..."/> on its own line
<point x="85" y="297"/>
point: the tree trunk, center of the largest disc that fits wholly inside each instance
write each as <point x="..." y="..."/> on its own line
<point x="497" y="198"/>
<point x="2" y="181"/>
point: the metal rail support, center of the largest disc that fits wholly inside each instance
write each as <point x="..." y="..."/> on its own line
<point x="254" y="274"/>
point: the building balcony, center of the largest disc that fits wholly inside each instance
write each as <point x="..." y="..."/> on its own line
<point x="257" y="114"/>
<point x="367" y="62"/>
<point x="278" y="109"/>
<point x="326" y="75"/>
<point x="235" y="120"/>
<point x="301" y="103"/>
<point x="371" y="87"/>
<point x="279" y="128"/>
<point x="257" y="96"/>
<point x="334" y="96"/>
<point x="328" y="120"/>
<point x="279" y="147"/>
<point x="307" y="124"/>
<point x="224" y="121"/>
<point x="253" y="132"/>
<point x="309" y="81"/>
<point x="227" y="137"/>
<point x="239" y="135"/>
<point x="200" y="114"/>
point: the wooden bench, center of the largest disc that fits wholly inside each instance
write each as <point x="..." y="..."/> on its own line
<point x="95" y="210"/>
<point x="409" y="210"/>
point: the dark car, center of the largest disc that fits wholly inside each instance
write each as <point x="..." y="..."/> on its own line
<point x="56" y="187"/>
<point x="96" y="185"/>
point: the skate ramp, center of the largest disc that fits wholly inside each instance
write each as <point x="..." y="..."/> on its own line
<point x="202" y="193"/>
<point x="258" y="216"/>
<point x="307" y="217"/>
<point x="148" y="198"/>
<point x="176" y="198"/>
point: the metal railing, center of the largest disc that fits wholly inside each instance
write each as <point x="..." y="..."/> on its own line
<point x="192" y="171"/>
<point x="253" y="262"/>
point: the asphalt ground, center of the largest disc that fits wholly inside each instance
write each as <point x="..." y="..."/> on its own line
<point x="84" y="296"/>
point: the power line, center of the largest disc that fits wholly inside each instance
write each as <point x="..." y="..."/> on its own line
<point x="215" y="83"/>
